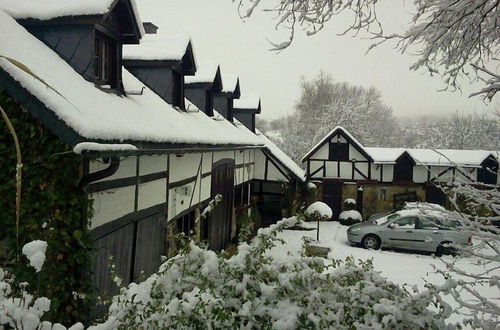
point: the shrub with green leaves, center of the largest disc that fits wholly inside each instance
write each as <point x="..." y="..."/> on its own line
<point x="198" y="289"/>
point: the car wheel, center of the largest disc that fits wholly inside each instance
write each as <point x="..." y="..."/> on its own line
<point x="442" y="250"/>
<point x="371" y="242"/>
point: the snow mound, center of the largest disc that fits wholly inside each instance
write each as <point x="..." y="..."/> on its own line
<point x="35" y="252"/>
<point x="321" y="209"/>
<point x="351" y="214"/>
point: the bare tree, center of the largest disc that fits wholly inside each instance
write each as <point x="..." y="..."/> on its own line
<point x="325" y="104"/>
<point x="446" y="35"/>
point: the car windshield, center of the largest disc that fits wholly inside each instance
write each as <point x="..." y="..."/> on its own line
<point x="386" y="219"/>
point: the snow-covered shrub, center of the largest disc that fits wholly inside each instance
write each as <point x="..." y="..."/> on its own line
<point x="318" y="211"/>
<point x="18" y="308"/>
<point x="254" y="290"/>
<point x="350" y="217"/>
<point x="350" y="204"/>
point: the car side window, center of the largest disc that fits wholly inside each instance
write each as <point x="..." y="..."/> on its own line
<point x="427" y="224"/>
<point x="405" y="223"/>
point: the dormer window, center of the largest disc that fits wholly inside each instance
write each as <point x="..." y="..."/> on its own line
<point x="105" y="56"/>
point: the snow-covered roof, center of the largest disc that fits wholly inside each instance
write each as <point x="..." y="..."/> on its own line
<point x="428" y="157"/>
<point x="99" y="115"/>
<point x="206" y="73"/>
<point x="247" y="101"/>
<point x="449" y="157"/>
<point x="229" y="82"/>
<point x="50" y="9"/>
<point x="283" y="158"/>
<point x="384" y="155"/>
<point x="157" y="47"/>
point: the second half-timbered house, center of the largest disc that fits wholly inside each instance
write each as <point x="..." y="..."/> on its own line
<point x="382" y="179"/>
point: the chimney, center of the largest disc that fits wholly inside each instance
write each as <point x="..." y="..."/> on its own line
<point x="149" y="28"/>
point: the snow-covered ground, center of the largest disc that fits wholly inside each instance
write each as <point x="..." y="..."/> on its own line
<point x="397" y="266"/>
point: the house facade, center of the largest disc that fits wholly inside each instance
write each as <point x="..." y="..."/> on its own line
<point x="143" y="116"/>
<point x="382" y="179"/>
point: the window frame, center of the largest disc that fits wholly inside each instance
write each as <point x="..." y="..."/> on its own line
<point x="105" y="59"/>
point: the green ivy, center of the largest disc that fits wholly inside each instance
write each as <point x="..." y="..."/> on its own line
<point x="53" y="209"/>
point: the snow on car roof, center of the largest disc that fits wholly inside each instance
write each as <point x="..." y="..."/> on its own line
<point x="97" y="114"/>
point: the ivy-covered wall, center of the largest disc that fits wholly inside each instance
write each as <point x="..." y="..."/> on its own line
<point x="53" y="209"/>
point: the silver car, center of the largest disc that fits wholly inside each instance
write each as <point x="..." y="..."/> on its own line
<point x="411" y="231"/>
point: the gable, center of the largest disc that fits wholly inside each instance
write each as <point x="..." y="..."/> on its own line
<point x="339" y="135"/>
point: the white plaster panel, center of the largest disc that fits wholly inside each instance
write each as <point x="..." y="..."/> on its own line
<point x="152" y="164"/>
<point x="345" y="170"/>
<point x="313" y="166"/>
<point x="152" y="193"/>
<point x="111" y="204"/>
<point x="223" y="154"/>
<point x="363" y="168"/>
<point x="322" y="152"/>
<point x="184" y="167"/>
<point x="332" y="170"/>
<point x="376" y="171"/>
<point x="274" y="174"/>
<point x="207" y="162"/>
<point x="419" y="174"/>
<point x="179" y="199"/>
<point x="355" y="154"/>
<point x="388" y="173"/>
<point x="241" y="156"/>
<point x="126" y="169"/>
<point x="260" y="165"/>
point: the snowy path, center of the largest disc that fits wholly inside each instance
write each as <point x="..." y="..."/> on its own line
<point x="398" y="266"/>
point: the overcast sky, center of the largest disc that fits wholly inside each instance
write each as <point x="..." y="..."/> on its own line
<point x="218" y="34"/>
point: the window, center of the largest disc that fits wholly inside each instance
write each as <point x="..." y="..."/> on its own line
<point x="186" y="223"/>
<point x="427" y="224"/>
<point x="104" y="54"/>
<point x="339" y="151"/>
<point x="383" y="194"/>
<point x="405" y="223"/>
<point x="178" y="90"/>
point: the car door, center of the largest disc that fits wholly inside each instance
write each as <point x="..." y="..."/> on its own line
<point x="401" y="233"/>
<point x="428" y="234"/>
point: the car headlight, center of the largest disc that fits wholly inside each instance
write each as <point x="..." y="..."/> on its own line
<point x="353" y="230"/>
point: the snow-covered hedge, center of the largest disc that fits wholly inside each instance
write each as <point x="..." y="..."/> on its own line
<point x="251" y="289"/>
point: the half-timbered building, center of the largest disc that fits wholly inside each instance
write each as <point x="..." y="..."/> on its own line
<point x="149" y="163"/>
<point x="382" y="179"/>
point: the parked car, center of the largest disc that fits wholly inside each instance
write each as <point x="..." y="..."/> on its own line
<point x="409" y="230"/>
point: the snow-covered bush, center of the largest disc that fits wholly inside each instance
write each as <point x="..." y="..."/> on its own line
<point x="18" y="308"/>
<point x="254" y="290"/>
<point x="318" y="211"/>
<point x="350" y="204"/>
<point x="350" y="217"/>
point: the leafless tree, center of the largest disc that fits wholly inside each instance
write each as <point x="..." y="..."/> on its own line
<point x="453" y="38"/>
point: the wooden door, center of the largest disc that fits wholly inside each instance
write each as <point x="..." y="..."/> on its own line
<point x="149" y="245"/>
<point x="332" y="196"/>
<point x="219" y="226"/>
<point x="119" y="245"/>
